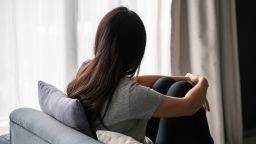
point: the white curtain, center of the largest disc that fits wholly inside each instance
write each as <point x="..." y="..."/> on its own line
<point x="49" y="39"/>
<point x="35" y="45"/>
<point x="204" y="42"/>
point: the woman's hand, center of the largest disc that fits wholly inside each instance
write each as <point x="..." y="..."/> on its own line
<point x="196" y="78"/>
<point x="189" y="80"/>
<point x="192" y="78"/>
<point x="206" y="106"/>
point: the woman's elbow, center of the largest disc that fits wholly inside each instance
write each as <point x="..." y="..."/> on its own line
<point x="193" y="108"/>
<point x="191" y="111"/>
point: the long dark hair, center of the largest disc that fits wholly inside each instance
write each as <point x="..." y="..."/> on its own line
<point x="119" y="47"/>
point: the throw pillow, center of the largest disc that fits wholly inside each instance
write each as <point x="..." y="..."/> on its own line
<point x="110" y="137"/>
<point x="66" y="110"/>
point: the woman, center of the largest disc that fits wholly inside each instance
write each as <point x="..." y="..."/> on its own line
<point x="118" y="101"/>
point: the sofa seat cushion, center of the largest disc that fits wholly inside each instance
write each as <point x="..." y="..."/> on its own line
<point x="5" y="139"/>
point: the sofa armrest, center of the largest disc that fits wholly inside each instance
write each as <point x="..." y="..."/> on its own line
<point x="5" y="139"/>
<point x="29" y="126"/>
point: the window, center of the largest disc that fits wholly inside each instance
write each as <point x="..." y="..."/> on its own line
<point x="48" y="40"/>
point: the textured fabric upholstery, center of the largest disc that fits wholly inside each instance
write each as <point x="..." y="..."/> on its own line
<point x="5" y="139"/>
<point x="66" y="110"/>
<point x="29" y="126"/>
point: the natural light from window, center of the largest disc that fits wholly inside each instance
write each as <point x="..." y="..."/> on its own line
<point x="49" y="39"/>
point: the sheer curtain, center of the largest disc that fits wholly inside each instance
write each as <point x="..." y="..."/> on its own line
<point x="35" y="44"/>
<point x="49" y="39"/>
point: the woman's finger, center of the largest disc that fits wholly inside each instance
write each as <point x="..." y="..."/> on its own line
<point x="190" y="81"/>
<point x="206" y="105"/>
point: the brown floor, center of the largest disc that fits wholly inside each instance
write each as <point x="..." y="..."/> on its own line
<point x="250" y="140"/>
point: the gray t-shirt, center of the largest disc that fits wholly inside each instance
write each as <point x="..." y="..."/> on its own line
<point x="131" y="107"/>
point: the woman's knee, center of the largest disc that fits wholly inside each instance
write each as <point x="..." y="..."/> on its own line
<point x="163" y="84"/>
<point x="179" y="89"/>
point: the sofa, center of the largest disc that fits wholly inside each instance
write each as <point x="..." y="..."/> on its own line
<point x="63" y="120"/>
<point x="30" y="126"/>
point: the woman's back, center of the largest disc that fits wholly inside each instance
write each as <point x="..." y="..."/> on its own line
<point x="131" y="107"/>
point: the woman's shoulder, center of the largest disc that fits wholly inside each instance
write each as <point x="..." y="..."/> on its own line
<point x="127" y="82"/>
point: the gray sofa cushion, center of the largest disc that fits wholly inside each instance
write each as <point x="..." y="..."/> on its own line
<point x="5" y="139"/>
<point x="66" y="110"/>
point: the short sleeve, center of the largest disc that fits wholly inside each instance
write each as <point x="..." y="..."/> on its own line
<point x="143" y="101"/>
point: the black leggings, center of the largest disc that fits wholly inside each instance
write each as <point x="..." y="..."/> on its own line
<point x="180" y="130"/>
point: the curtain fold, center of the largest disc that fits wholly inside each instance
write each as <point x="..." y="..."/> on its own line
<point x="203" y="41"/>
<point x="230" y="73"/>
